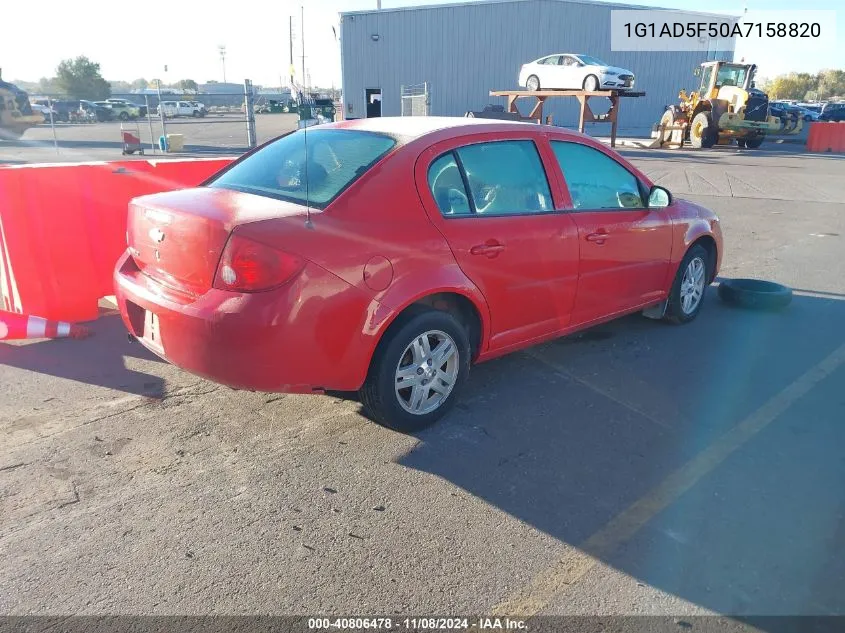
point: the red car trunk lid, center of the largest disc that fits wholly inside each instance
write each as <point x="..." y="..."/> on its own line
<point x="177" y="237"/>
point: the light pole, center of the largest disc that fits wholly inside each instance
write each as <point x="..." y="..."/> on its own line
<point x="222" y="49"/>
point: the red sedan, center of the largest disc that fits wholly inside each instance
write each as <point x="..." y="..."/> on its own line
<point x="388" y="255"/>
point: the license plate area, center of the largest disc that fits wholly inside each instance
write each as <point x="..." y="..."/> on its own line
<point x="152" y="331"/>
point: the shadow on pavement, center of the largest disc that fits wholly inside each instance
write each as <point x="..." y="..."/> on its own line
<point x="568" y="435"/>
<point x="97" y="360"/>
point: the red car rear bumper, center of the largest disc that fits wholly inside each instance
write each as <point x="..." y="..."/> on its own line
<point x="303" y="337"/>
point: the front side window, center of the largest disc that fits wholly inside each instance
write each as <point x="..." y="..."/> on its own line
<point x="595" y="180"/>
<point x="505" y="178"/>
<point x="287" y="169"/>
<point x="706" y="74"/>
<point x="591" y="61"/>
<point x="731" y="76"/>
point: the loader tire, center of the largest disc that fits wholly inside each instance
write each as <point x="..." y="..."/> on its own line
<point x="753" y="142"/>
<point x="703" y="133"/>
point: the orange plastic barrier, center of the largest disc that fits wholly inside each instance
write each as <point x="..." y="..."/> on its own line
<point x="826" y="137"/>
<point x="63" y="226"/>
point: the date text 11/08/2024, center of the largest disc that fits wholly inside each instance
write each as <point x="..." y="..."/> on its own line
<point x="416" y="624"/>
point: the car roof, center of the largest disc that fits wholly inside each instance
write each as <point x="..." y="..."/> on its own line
<point x="408" y="128"/>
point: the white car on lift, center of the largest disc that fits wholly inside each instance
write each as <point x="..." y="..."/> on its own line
<point x="568" y="71"/>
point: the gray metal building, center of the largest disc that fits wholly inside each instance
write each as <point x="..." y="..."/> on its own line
<point x="465" y="50"/>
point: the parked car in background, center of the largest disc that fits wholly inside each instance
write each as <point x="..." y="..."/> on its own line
<point x="203" y="110"/>
<point x="45" y="111"/>
<point x="833" y="112"/>
<point x="181" y="108"/>
<point x="63" y="108"/>
<point x="101" y="112"/>
<point x="122" y="111"/>
<point x="499" y="235"/>
<point x="807" y="114"/>
<point x="574" y="72"/>
<point x="142" y="109"/>
<point x="785" y="110"/>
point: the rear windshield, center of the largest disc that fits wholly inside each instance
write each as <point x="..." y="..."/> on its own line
<point x="335" y="159"/>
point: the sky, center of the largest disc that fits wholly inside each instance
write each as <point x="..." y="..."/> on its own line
<point x="185" y="37"/>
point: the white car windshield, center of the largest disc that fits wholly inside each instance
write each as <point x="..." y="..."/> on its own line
<point x="591" y="61"/>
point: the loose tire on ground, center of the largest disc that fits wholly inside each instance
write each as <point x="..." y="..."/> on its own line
<point x="676" y="310"/>
<point x="379" y="393"/>
<point x="755" y="294"/>
<point x="703" y="133"/>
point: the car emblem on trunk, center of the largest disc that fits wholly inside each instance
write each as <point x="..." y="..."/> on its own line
<point x="157" y="235"/>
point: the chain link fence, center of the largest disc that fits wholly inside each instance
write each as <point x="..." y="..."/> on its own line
<point x="151" y="123"/>
<point x="416" y="99"/>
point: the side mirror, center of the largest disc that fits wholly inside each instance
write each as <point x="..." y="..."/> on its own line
<point x="659" y="198"/>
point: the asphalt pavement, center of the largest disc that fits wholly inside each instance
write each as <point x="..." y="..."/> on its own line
<point x="635" y="468"/>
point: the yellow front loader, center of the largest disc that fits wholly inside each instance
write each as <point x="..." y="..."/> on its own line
<point x="16" y="115"/>
<point x="727" y="106"/>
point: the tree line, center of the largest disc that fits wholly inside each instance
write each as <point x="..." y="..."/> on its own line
<point x="80" y="78"/>
<point x="824" y="85"/>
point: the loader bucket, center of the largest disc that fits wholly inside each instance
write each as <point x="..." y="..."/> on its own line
<point x="788" y="127"/>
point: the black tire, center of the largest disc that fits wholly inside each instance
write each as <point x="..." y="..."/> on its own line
<point x="703" y="132"/>
<point x="591" y="83"/>
<point x="528" y="83"/>
<point x="379" y="395"/>
<point x="675" y="312"/>
<point x="755" y="294"/>
<point x="740" y="142"/>
<point x="124" y="116"/>
<point x="753" y="142"/>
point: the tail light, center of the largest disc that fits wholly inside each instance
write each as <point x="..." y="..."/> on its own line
<point x="249" y="266"/>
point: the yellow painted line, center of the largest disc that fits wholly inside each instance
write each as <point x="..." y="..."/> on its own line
<point x="575" y="564"/>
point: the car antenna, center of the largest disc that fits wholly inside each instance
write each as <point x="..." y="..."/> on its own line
<point x="308" y="223"/>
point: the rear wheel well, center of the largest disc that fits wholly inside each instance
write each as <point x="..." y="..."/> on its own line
<point x="455" y="304"/>
<point x="461" y="308"/>
<point x="709" y="245"/>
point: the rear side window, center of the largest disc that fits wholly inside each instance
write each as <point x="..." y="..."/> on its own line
<point x="505" y="178"/>
<point x="288" y="170"/>
<point x="447" y="186"/>
<point x="595" y="180"/>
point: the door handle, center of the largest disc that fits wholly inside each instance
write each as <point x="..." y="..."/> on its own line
<point x="598" y="237"/>
<point x="490" y="249"/>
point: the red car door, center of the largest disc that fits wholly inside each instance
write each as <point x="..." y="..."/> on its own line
<point x="625" y="248"/>
<point x="492" y="201"/>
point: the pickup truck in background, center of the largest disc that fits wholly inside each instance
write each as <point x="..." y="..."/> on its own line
<point x="174" y="109"/>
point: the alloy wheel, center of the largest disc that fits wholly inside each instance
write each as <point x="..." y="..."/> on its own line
<point x="692" y="285"/>
<point x="427" y="372"/>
